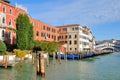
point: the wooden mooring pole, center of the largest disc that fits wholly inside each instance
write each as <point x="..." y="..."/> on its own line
<point x="59" y="58"/>
<point x="40" y="65"/>
<point x="5" y="61"/>
<point x="47" y="60"/>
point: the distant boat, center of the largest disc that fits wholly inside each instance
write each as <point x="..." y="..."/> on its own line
<point x="89" y="54"/>
<point x="75" y="56"/>
<point x="68" y="56"/>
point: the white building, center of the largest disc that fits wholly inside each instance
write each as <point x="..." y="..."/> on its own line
<point x="79" y="38"/>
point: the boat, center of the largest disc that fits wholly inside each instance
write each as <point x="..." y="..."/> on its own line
<point x="74" y="56"/>
<point x="68" y="56"/>
<point x="89" y="54"/>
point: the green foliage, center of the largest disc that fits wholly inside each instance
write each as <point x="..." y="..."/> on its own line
<point x="24" y="32"/>
<point x="37" y="45"/>
<point x="48" y="47"/>
<point x="53" y="46"/>
<point x="19" y="53"/>
<point x="2" y="47"/>
<point x="30" y="37"/>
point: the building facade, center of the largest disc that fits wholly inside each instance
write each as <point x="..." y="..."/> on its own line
<point x="43" y="31"/>
<point x="8" y="16"/>
<point x="77" y="38"/>
<point x="72" y="38"/>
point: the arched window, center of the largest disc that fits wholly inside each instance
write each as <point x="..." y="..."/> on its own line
<point x="3" y="9"/>
<point x="10" y="22"/>
<point x="3" y="33"/>
<point x="3" y="20"/>
<point x="37" y="33"/>
<point x="9" y="35"/>
<point x="10" y="11"/>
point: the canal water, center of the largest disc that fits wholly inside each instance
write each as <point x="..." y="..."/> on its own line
<point x="104" y="67"/>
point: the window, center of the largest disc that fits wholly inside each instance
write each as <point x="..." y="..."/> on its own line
<point x="73" y="29"/>
<point x="75" y="42"/>
<point x="58" y="38"/>
<point x="49" y="36"/>
<point x="52" y="30"/>
<point x="9" y="35"/>
<point x="69" y="36"/>
<point x="3" y="9"/>
<point x="70" y="49"/>
<point x="41" y="34"/>
<point x="65" y="41"/>
<point x="3" y="33"/>
<point x="76" y="28"/>
<point x="84" y="43"/>
<point x="47" y="29"/>
<point x="37" y="33"/>
<point x="62" y="37"/>
<point x="66" y="36"/>
<point x="43" y="27"/>
<point x="3" y="20"/>
<point x="10" y="11"/>
<point x="75" y="49"/>
<point x="70" y="42"/>
<point x="54" y="37"/>
<point x="75" y="36"/>
<point x="64" y="29"/>
<point x="10" y="22"/>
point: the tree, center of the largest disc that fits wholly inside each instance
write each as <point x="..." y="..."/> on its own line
<point x="2" y="47"/>
<point x="24" y="32"/>
<point x="37" y="45"/>
<point x="52" y="47"/>
<point x="48" y="47"/>
<point x="30" y="37"/>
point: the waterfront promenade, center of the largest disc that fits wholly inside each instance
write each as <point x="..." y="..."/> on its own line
<point x="103" y="67"/>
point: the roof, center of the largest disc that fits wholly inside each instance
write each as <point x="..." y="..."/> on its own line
<point x="5" y="1"/>
<point x="69" y="25"/>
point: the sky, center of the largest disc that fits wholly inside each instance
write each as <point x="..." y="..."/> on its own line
<point x="101" y="16"/>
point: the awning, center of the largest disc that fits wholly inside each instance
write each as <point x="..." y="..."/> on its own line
<point x="86" y="48"/>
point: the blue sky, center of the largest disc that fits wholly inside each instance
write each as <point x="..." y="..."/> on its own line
<point x="101" y="16"/>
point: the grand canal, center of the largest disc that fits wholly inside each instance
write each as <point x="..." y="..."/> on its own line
<point x="104" y="67"/>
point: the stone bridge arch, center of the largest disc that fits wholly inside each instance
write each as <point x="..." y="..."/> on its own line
<point x="107" y="48"/>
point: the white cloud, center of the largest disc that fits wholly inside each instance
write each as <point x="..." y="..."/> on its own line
<point x="87" y="12"/>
